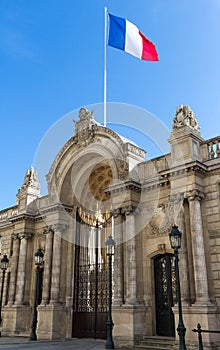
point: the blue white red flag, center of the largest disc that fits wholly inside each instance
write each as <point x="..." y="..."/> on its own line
<point x="125" y="36"/>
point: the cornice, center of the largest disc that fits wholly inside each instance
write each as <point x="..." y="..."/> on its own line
<point x="23" y="217"/>
<point x="156" y="182"/>
<point x="131" y="185"/>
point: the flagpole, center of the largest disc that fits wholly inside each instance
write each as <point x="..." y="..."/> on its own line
<point x="105" y="54"/>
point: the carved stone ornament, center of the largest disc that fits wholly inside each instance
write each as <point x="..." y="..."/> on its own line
<point x="161" y="221"/>
<point x="185" y="117"/>
<point x="123" y="169"/>
<point x="191" y="195"/>
<point x="47" y="230"/>
<point x="84" y="128"/>
<point x="14" y="236"/>
<point x="30" y="180"/>
<point x="59" y="228"/>
<point x="128" y="210"/>
<point x="25" y="235"/>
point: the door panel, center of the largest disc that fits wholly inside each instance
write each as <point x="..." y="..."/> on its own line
<point x="165" y="294"/>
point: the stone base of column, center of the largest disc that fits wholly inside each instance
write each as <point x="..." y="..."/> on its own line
<point x="207" y="316"/>
<point x="16" y="321"/>
<point x="52" y="322"/>
<point x="129" y="324"/>
<point x="118" y="302"/>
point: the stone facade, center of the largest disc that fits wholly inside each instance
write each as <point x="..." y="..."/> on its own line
<point x="98" y="174"/>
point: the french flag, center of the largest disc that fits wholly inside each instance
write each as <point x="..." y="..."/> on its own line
<point x="125" y="36"/>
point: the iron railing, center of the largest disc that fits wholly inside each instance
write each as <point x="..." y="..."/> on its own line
<point x="199" y="330"/>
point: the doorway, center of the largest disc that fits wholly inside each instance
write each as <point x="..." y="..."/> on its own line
<point x="165" y="294"/>
<point x="90" y="306"/>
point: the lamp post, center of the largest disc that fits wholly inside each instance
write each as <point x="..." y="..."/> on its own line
<point x="175" y="241"/>
<point x="4" y="266"/>
<point x="110" y="244"/>
<point x="38" y="257"/>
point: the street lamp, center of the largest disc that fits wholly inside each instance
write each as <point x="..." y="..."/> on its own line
<point x="38" y="257"/>
<point x="175" y="241"/>
<point x="4" y="266"/>
<point x="110" y="245"/>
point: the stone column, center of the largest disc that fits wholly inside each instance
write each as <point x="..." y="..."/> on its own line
<point x="118" y="260"/>
<point x="56" y="264"/>
<point x="198" y="250"/>
<point x="47" y="265"/>
<point x="179" y="220"/>
<point x="131" y="285"/>
<point x="70" y="262"/>
<point x="21" y="268"/>
<point x="14" y="268"/>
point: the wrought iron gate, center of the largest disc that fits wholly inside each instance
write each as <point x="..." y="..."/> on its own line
<point x="90" y="287"/>
<point x="165" y="294"/>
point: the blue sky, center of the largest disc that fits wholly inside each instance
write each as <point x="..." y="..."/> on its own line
<point x="51" y="63"/>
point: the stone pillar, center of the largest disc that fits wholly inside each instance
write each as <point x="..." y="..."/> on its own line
<point x="14" y="268"/>
<point x="198" y="250"/>
<point x="118" y="260"/>
<point x="21" y="268"/>
<point x="56" y="264"/>
<point x="47" y="265"/>
<point x="179" y="220"/>
<point x="70" y="262"/>
<point x="131" y="285"/>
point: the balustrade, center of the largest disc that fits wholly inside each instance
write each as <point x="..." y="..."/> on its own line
<point x="211" y="148"/>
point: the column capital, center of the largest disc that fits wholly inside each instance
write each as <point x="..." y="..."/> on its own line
<point x="14" y="236"/>
<point x="47" y="229"/>
<point x="191" y="195"/>
<point x="115" y="212"/>
<point x="128" y="210"/>
<point x="24" y="235"/>
<point x="59" y="228"/>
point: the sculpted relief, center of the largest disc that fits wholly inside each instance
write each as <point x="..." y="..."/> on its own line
<point x="185" y="117"/>
<point x="161" y="220"/>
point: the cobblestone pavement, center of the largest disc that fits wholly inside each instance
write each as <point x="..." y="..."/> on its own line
<point x="19" y="343"/>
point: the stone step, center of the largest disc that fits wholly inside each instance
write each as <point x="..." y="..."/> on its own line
<point x="156" y="343"/>
<point x="149" y="347"/>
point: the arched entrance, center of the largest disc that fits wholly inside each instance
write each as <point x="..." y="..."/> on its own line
<point x="90" y="305"/>
<point x="165" y="294"/>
